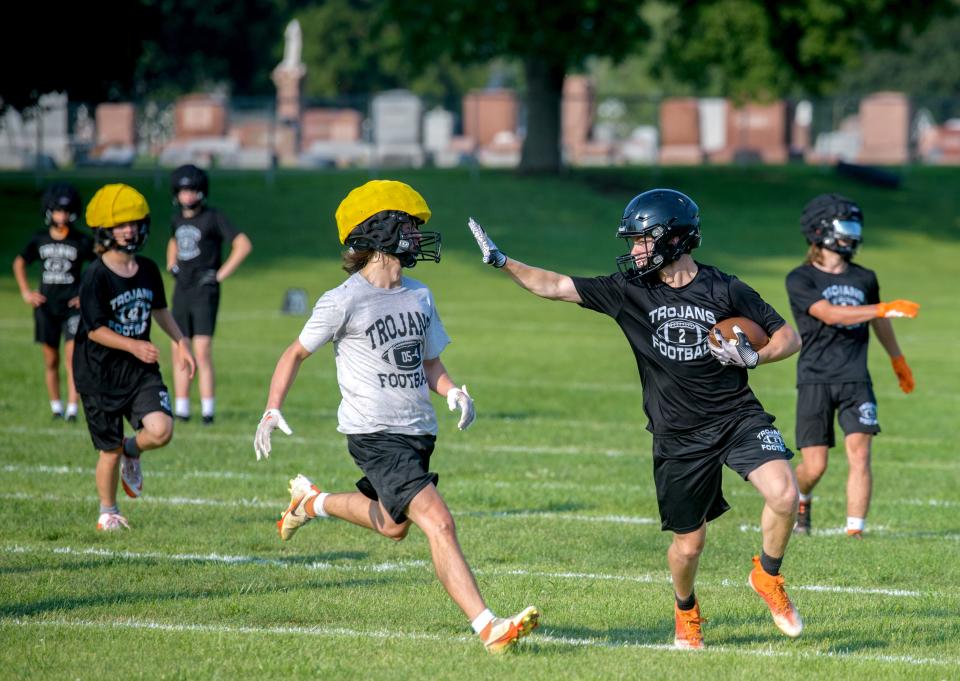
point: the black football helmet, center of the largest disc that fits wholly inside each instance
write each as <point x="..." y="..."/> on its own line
<point x="834" y="222"/>
<point x="397" y="233"/>
<point x="61" y="196"/>
<point x="671" y="218"/>
<point x="190" y="177"/>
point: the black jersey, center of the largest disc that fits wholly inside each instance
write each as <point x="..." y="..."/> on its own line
<point x="123" y="305"/>
<point x="61" y="260"/>
<point x="200" y="241"/>
<point x="684" y="387"/>
<point x="838" y="353"/>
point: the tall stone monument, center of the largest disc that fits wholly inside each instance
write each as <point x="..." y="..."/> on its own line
<point x="288" y="78"/>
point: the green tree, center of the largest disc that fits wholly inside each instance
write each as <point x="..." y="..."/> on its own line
<point x="760" y="48"/>
<point x="549" y="39"/>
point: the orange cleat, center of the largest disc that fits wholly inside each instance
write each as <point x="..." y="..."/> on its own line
<point x="503" y="632"/>
<point x="295" y="517"/>
<point x="771" y="590"/>
<point x="688" y="635"/>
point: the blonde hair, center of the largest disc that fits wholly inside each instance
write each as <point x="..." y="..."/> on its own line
<point x="814" y="255"/>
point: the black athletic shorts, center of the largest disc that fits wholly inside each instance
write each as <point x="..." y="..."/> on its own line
<point x="195" y="309"/>
<point x="853" y="403"/>
<point x="49" y="326"/>
<point x="688" y="468"/>
<point x="395" y="468"/>
<point x="105" y="413"/>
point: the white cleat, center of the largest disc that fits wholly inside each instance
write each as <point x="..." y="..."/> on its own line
<point x="131" y="476"/>
<point x="111" y="522"/>
<point x="295" y="517"/>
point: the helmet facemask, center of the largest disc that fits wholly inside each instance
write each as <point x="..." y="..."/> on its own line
<point x="104" y="237"/>
<point x="669" y="243"/>
<point x="842" y="236"/>
<point x="397" y="233"/>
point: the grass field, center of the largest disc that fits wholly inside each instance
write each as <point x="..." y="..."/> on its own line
<point x="551" y="488"/>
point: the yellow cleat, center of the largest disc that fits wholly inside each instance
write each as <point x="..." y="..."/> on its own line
<point x="503" y="632"/>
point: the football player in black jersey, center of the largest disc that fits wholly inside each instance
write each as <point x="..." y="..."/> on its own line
<point x="115" y="363"/>
<point x="62" y="251"/>
<point x="198" y="234"/>
<point x="696" y="397"/>
<point x="833" y="302"/>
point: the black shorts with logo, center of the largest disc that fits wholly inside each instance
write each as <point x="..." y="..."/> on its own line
<point x="195" y="308"/>
<point x="105" y="413"/>
<point x="688" y="468"/>
<point x="854" y="404"/>
<point x="49" y="325"/>
<point x="395" y="468"/>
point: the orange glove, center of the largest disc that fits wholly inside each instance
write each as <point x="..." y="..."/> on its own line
<point x="904" y="375"/>
<point x="898" y="308"/>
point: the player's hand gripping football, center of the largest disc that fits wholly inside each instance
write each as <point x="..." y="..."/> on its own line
<point x="272" y="419"/>
<point x="491" y="254"/>
<point x="898" y="308"/>
<point x="737" y="353"/>
<point x="459" y="398"/>
<point x="904" y="375"/>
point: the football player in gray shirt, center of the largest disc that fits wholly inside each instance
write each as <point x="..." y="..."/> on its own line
<point x="387" y="338"/>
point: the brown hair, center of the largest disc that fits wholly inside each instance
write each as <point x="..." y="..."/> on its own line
<point x="814" y="255"/>
<point x="355" y="260"/>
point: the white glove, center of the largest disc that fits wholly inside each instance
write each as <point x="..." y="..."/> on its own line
<point x="738" y="353"/>
<point x="272" y="419"/>
<point x="491" y="254"/>
<point x="460" y="398"/>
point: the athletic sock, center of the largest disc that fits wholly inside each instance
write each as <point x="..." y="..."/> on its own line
<point x="686" y="603"/>
<point x="182" y="406"/>
<point x="56" y="406"/>
<point x="770" y="565"/>
<point x="481" y="621"/>
<point x="109" y="509"/>
<point x="315" y="507"/>
<point x="206" y="406"/>
<point x="805" y="498"/>
<point x="72" y="409"/>
<point x="855" y="524"/>
<point x="131" y="448"/>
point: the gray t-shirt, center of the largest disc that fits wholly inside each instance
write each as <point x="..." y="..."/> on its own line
<point x="380" y="339"/>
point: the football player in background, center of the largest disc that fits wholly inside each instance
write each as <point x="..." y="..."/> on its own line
<point x="696" y="397"/>
<point x="387" y="338"/>
<point x="833" y="302"/>
<point x="115" y="363"/>
<point x="195" y="258"/>
<point x="62" y="251"/>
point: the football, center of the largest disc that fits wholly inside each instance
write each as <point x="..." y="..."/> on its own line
<point x="755" y="333"/>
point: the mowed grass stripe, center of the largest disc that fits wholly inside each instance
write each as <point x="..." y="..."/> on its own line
<point x="541" y="638"/>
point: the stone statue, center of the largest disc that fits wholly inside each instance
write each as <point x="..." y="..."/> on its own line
<point x="292" y="46"/>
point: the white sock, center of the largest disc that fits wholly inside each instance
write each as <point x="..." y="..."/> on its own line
<point x="71" y="409"/>
<point x="318" y="509"/>
<point x="805" y="497"/>
<point x="482" y="620"/>
<point x="182" y="407"/>
<point x="56" y="406"/>
<point x="855" y="524"/>
<point x="206" y="406"/>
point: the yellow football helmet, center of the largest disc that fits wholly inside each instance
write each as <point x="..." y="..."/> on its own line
<point x="118" y="204"/>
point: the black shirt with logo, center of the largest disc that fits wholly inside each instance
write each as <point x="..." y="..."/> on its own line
<point x="831" y="353"/>
<point x="684" y="387"/>
<point x="123" y="305"/>
<point x="61" y="260"/>
<point x="200" y="241"/>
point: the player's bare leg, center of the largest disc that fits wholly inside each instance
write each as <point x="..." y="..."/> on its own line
<point x="108" y="475"/>
<point x="683" y="556"/>
<point x="181" y="382"/>
<point x="51" y="370"/>
<point x="360" y="510"/>
<point x="859" y="481"/>
<point x="68" y="358"/>
<point x="156" y="432"/>
<point x="203" y="352"/>
<point x="429" y="512"/>
<point x="808" y="473"/>
<point x="776" y="482"/>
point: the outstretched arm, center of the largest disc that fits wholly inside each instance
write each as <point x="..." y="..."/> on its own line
<point x="283" y="375"/>
<point x="847" y="315"/>
<point x="544" y="283"/>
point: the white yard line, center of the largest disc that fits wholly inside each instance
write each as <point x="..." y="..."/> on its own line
<point x="543" y="638"/>
<point x="293" y="562"/>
